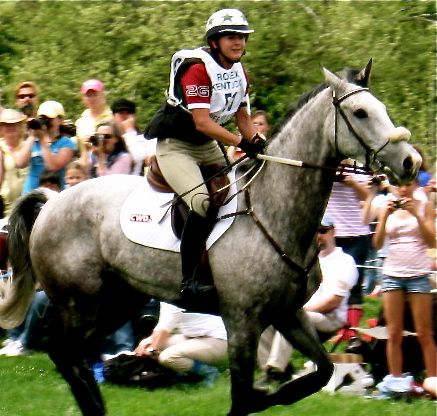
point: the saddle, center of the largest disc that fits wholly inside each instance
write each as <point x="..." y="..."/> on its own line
<point x="179" y="210"/>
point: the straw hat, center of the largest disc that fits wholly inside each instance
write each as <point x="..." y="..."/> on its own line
<point x="11" y="116"/>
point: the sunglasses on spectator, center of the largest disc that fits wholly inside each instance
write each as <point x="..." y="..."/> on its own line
<point x="324" y="230"/>
<point x="23" y="96"/>
<point x="101" y="136"/>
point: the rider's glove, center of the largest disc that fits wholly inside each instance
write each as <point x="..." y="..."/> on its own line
<point x="254" y="146"/>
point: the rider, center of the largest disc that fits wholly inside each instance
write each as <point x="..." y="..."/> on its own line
<point x="208" y="86"/>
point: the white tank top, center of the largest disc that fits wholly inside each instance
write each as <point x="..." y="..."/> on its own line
<point x="406" y="246"/>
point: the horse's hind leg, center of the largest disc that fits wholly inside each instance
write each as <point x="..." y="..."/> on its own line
<point x="67" y="353"/>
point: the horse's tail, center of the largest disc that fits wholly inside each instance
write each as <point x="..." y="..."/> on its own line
<point x="16" y="292"/>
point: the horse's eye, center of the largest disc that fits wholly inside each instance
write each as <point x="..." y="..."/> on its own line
<point x="360" y="113"/>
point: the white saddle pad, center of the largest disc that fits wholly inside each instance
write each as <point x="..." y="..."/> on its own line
<point x="145" y="218"/>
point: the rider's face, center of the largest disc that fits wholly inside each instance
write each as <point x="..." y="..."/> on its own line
<point x="232" y="46"/>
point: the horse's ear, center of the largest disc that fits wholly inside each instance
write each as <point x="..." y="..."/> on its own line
<point x="332" y="79"/>
<point x="364" y="75"/>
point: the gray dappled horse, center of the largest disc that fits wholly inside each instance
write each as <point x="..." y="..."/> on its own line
<point x="96" y="277"/>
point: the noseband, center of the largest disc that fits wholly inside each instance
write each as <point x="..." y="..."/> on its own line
<point x="370" y="153"/>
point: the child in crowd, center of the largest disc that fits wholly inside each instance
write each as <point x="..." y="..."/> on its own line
<point x="75" y="173"/>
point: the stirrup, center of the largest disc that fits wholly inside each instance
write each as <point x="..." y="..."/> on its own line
<point x="194" y="287"/>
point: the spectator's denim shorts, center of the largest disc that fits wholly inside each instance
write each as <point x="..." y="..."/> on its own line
<point x="417" y="284"/>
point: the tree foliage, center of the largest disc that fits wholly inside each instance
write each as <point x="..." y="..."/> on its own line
<point x="128" y="44"/>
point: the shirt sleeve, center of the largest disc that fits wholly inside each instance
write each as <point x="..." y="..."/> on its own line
<point x="169" y="316"/>
<point x="196" y="87"/>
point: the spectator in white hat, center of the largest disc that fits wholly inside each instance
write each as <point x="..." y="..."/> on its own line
<point x="47" y="149"/>
<point x="12" y="153"/>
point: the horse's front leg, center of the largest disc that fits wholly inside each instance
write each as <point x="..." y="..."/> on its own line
<point x="242" y="347"/>
<point x="303" y="337"/>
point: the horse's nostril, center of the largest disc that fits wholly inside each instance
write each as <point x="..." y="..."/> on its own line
<point x="408" y="163"/>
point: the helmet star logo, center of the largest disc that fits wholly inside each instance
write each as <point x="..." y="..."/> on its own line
<point x="227" y="18"/>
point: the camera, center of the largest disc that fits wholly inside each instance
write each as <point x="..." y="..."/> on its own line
<point x="399" y="204"/>
<point x="94" y="140"/>
<point x="377" y="180"/>
<point x="97" y="138"/>
<point x="38" y="123"/>
<point x="67" y="128"/>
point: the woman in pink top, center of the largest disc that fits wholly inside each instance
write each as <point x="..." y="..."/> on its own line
<point x="409" y="225"/>
<point x="109" y="152"/>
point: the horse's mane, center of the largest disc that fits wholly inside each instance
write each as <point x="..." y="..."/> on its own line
<point x="348" y="74"/>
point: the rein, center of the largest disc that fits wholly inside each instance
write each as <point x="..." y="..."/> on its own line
<point x="303" y="271"/>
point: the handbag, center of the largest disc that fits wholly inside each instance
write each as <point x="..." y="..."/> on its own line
<point x="130" y="369"/>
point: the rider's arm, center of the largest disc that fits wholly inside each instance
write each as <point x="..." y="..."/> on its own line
<point x="245" y="123"/>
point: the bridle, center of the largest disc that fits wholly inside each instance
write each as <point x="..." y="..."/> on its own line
<point x="370" y="153"/>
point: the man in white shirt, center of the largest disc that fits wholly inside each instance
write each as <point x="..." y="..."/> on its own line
<point x="326" y="309"/>
<point x="187" y="342"/>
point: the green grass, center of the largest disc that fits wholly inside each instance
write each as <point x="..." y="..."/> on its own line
<point x="30" y="386"/>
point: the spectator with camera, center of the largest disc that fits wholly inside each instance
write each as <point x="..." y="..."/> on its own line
<point x="27" y="98"/>
<point x="46" y="148"/>
<point x="139" y="147"/>
<point x="408" y="223"/>
<point x="109" y="151"/>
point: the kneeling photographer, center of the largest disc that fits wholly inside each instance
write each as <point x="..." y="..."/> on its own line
<point x="47" y="148"/>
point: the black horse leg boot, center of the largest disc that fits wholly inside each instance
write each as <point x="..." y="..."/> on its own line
<point x="197" y="284"/>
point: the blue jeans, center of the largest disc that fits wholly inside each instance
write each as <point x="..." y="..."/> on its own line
<point x="122" y="339"/>
<point x="416" y="284"/>
<point x="36" y="316"/>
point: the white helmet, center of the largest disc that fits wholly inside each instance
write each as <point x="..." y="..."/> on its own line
<point x="227" y="21"/>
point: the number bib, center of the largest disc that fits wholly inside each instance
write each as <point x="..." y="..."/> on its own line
<point x="229" y="86"/>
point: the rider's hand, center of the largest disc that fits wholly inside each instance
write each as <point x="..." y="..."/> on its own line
<point x="254" y="146"/>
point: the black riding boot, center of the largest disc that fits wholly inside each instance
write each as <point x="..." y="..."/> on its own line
<point x="197" y="290"/>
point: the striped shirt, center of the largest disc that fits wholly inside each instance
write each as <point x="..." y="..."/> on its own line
<point x="344" y="208"/>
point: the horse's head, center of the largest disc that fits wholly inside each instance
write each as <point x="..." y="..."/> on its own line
<point x="364" y="131"/>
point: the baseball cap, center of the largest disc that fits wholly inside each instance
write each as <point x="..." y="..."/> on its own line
<point x="327" y="221"/>
<point x="92" y="85"/>
<point x="11" y="116"/>
<point x="123" y="104"/>
<point x="50" y="109"/>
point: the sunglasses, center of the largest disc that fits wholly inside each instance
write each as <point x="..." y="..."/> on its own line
<point x="23" y="96"/>
<point x="101" y="136"/>
<point x="324" y="230"/>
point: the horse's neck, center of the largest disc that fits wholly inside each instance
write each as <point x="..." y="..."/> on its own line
<point x="291" y="200"/>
